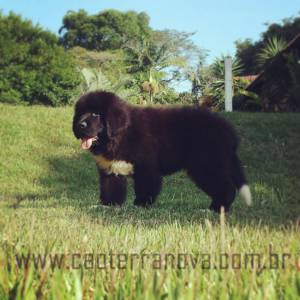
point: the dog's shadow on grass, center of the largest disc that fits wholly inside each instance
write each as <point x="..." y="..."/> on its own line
<point x="73" y="180"/>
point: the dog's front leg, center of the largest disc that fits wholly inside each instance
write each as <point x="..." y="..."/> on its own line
<point x="113" y="189"/>
<point x="147" y="185"/>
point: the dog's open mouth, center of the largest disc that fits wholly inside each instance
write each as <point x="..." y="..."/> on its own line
<point x="87" y="142"/>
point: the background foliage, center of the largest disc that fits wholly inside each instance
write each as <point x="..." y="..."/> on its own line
<point x="107" y="30"/>
<point x="120" y="52"/>
<point x="248" y="51"/>
<point x="33" y="68"/>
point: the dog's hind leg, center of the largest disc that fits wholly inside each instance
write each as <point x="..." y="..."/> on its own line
<point x="223" y="195"/>
<point x="113" y="189"/>
<point x="147" y="185"/>
<point x="216" y="185"/>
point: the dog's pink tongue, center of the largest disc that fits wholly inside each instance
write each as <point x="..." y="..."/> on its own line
<point x="86" y="143"/>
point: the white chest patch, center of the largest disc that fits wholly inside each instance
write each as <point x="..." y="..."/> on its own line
<point x="116" y="167"/>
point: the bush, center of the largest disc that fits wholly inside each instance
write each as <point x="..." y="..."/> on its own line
<point x="33" y="68"/>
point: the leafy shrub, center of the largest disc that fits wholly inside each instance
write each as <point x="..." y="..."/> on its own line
<point x="33" y="68"/>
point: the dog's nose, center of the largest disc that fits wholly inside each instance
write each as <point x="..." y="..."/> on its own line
<point x="83" y="124"/>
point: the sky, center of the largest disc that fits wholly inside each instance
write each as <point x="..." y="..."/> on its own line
<point x="217" y="23"/>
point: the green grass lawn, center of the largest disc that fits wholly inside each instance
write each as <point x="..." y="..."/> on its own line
<point x="176" y="249"/>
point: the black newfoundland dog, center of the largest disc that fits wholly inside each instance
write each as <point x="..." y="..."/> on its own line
<point x="148" y="143"/>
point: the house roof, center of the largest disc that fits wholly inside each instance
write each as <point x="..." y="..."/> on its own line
<point x="247" y="77"/>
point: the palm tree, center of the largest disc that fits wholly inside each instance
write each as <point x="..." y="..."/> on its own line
<point x="272" y="48"/>
<point x="148" y="62"/>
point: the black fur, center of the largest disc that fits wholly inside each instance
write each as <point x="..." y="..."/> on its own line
<point x="159" y="142"/>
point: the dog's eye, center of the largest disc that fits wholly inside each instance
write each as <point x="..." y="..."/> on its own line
<point x="94" y="115"/>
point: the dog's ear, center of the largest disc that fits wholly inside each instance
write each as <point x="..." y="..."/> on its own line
<point x="117" y="120"/>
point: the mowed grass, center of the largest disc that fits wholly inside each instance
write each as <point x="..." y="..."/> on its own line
<point x="49" y="205"/>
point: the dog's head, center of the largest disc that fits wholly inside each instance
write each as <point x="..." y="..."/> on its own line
<point x="100" y="118"/>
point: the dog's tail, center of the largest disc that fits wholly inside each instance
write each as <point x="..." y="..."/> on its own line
<point x="240" y="181"/>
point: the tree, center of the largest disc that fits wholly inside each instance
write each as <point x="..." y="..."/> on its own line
<point x="161" y="60"/>
<point x="286" y="30"/>
<point x="180" y="52"/>
<point x="33" y="68"/>
<point x="247" y="51"/>
<point x="109" y="29"/>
